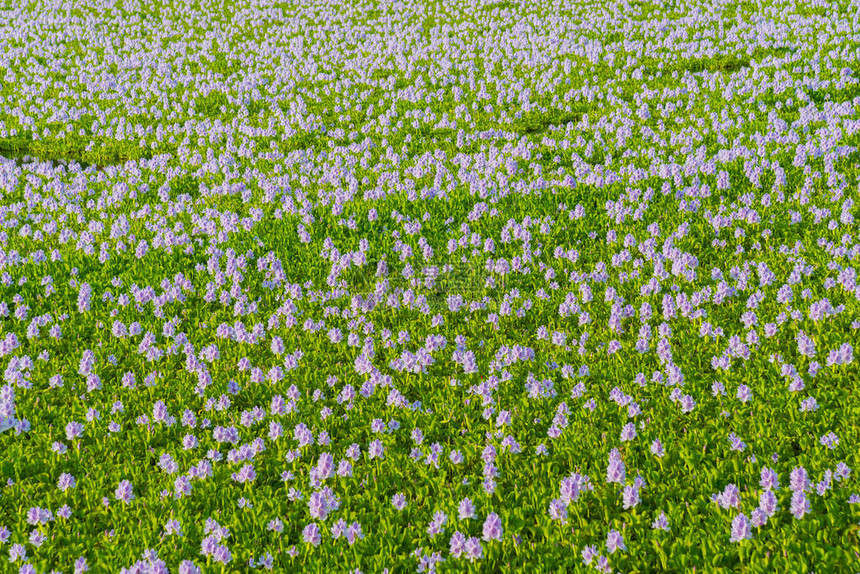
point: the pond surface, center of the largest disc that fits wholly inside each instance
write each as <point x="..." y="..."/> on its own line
<point x="23" y="157"/>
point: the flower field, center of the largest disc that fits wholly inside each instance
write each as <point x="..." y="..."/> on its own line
<point x="417" y="286"/>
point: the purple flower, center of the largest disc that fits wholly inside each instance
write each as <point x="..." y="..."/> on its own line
<point x="614" y="542"/>
<point x="458" y="544"/>
<point x="267" y="561"/>
<point x="474" y="550"/>
<point x="661" y="522"/>
<point x="570" y="487"/>
<point x="344" y="469"/>
<point x="353" y="533"/>
<point x="311" y="534"/>
<point x="245" y="474"/>
<point x="730" y="497"/>
<point x="798" y="479"/>
<point x="439" y="519"/>
<point x="277" y="346"/>
<point x="736" y="443"/>
<point x="630" y="497"/>
<point x="558" y="509"/>
<point x="805" y="345"/>
<point x="741" y="529"/>
<point x="317" y="506"/>
<point x="276" y="525"/>
<point x="417" y="436"/>
<point x="84" y="294"/>
<point x="830" y="440"/>
<point x="17" y="552"/>
<point x="589" y="553"/>
<point x="375" y="449"/>
<point x="37" y="538"/>
<point x="758" y="518"/>
<point x="74" y="430"/>
<point x="398" y="501"/>
<point x="182" y="486"/>
<point x="799" y="504"/>
<point x="628" y="432"/>
<point x="466" y="509"/>
<point x="66" y="481"/>
<point x="221" y="554"/>
<point x="173" y="527"/>
<point x="492" y="527"/>
<point x="769" y="479"/>
<point x="88" y="360"/>
<point x="615" y="471"/>
<point x="124" y="492"/>
<point x="768" y="503"/>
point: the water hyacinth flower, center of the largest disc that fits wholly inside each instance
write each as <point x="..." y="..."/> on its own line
<point x="768" y="503"/>
<point x="473" y="549"/>
<point x="74" y="430"/>
<point x="805" y="345"/>
<point x="317" y="505"/>
<point x="492" y="527"/>
<point x="66" y="481"/>
<point x="798" y="479"/>
<point x="730" y="497"/>
<point x="84" y="294"/>
<point x="17" y="552"/>
<point x="589" y="553"/>
<point x="615" y="542"/>
<point x="661" y="522"/>
<point x="353" y="533"/>
<point x="172" y="528"/>
<point x="829" y="440"/>
<point x="842" y="472"/>
<point x="182" y="486"/>
<point x="457" y="544"/>
<point x="630" y="497"/>
<point x="615" y="471"/>
<point x="466" y="509"/>
<point x="769" y="479"/>
<point x="124" y="492"/>
<point x="311" y="534"/>
<point x="758" y="518"/>
<point x="800" y="505"/>
<point x="375" y="450"/>
<point x="741" y="528"/>
<point x="267" y="561"/>
<point x="398" y="501"/>
<point x="628" y="433"/>
<point x="277" y="346"/>
<point x="435" y="527"/>
<point x="558" y="510"/>
<point x="736" y="443"/>
<point x="276" y="525"/>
